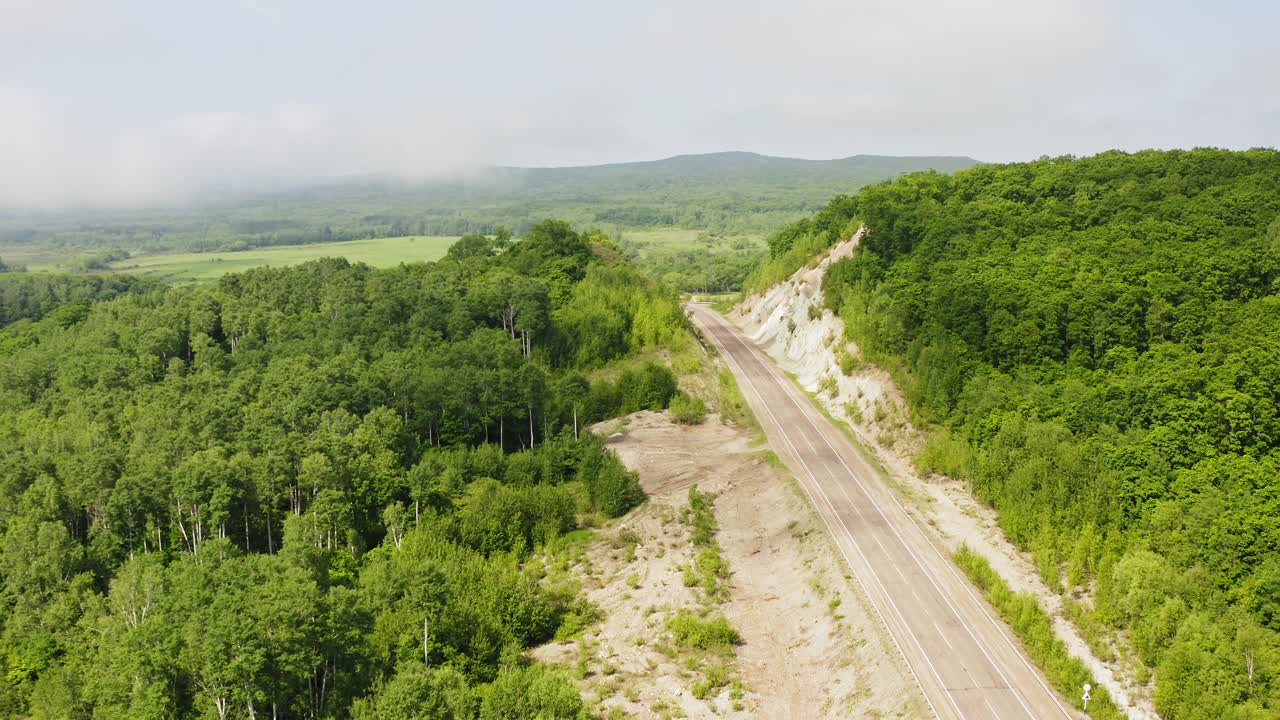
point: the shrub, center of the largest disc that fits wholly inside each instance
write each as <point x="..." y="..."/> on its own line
<point x="418" y="692"/>
<point x="648" y="387"/>
<point x="612" y="487"/>
<point x="828" y="385"/>
<point x="701" y="517"/>
<point x="687" y="410"/>
<point x="711" y="633"/>
<point x="944" y="454"/>
<point x="580" y="615"/>
<point x="733" y="406"/>
<point x="706" y="571"/>
<point x="849" y="363"/>
<point x="1034" y="627"/>
<point x="533" y="692"/>
<point x="501" y="518"/>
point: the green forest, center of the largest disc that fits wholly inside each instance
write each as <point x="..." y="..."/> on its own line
<point x="331" y="491"/>
<point x="31" y="296"/>
<point x="732" y="192"/>
<point x="1096" y="343"/>
<point x="317" y="491"/>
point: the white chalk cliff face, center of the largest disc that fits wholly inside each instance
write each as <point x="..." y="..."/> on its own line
<point x="793" y="326"/>
<point x="791" y="323"/>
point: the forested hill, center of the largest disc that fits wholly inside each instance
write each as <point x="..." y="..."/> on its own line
<point x="247" y="498"/>
<point x="728" y="168"/>
<point x="722" y="192"/>
<point x="1099" y="340"/>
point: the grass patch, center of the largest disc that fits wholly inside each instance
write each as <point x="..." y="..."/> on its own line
<point x="686" y="410"/>
<point x="774" y="461"/>
<point x="708" y="568"/>
<point x="724" y="302"/>
<point x="581" y="615"/>
<point x="686" y="363"/>
<point x="733" y="406"/>
<point x="201" y="267"/>
<point x="707" y="571"/>
<point x="705" y="632"/>
<point x="691" y="631"/>
<point x="579" y="538"/>
<point x="1033" y="626"/>
<point x="854" y="411"/>
<point x="713" y="678"/>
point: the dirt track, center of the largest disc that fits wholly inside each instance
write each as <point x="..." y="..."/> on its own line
<point x="811" y="648"/>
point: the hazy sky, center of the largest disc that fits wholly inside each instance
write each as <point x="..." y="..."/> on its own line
<point x="140" y="101"/>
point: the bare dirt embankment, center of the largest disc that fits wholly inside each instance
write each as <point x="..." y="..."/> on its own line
<point x="807" y="340"/>
<point x="810" y="646"/>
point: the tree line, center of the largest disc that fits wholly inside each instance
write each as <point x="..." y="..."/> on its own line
<point x="312" y="491"/>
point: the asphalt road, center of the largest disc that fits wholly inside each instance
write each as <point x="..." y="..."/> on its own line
<point x="967" y="663"/>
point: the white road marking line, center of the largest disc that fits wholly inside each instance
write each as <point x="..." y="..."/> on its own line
<point x="789" y="390"/>
<point x="944" y="635"/>
<point x="905" y="582"/>
<point x="806" y="411"/>
<point x="853" y="541"/>
<point x="907" y="626"/>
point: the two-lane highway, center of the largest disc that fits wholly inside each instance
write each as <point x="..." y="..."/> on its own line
<point x="966" y="662"/>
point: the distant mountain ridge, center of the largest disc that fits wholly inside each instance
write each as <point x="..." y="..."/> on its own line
<point x="734" y="167"/>
<point x="700" y="169"/>
<point x="737" y="192"/>
<point x="741" y="161"/>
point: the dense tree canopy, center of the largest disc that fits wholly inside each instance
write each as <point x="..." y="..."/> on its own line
<point x="710" y="270"/>
<point x="247" y="499"/>
<point x="31" y="296"/>
<point x="1102" y="338"/>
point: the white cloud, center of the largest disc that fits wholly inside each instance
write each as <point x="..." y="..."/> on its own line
<point x="53" y="157"/>
<point x="149" y="103"/>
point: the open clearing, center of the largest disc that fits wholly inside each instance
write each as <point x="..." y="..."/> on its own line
<point x="648" y="240"/>
<point x="197" y="267"/>
<point x="810" y="647"/>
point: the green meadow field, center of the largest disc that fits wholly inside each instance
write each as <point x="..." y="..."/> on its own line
<point x="200" y="267"/>
<point x="649" y="240"/>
